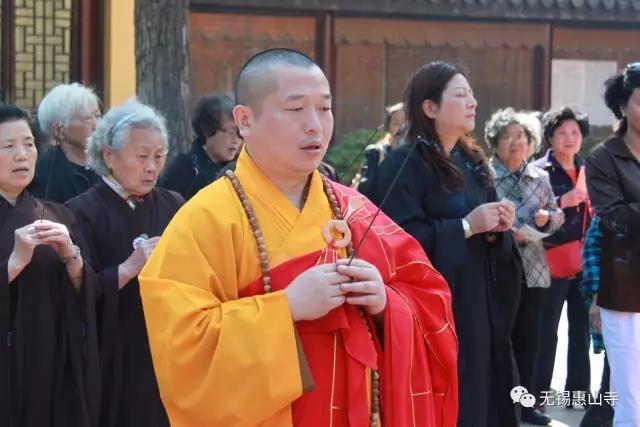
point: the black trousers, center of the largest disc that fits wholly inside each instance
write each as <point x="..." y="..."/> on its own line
<point x="526" y="335"/>
<point x="600" y="415"/>
<point x="578" y="364"/>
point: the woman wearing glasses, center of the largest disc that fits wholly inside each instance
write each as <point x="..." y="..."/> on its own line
<point x="216" y="144"/>
<point x="613" y="174"/>
<point x="513" y="135"/>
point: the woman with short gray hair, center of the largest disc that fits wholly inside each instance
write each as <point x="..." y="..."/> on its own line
<point x="122" y="218"/>
<point x="115" y="129"/>
<point x="511" y="135"/>
<point x="67" y="116"/>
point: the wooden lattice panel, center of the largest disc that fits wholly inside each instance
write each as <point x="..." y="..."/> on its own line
<point x="42" y="48"/>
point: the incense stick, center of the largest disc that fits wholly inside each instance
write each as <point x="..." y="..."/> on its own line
<point x="56" y="138"/>
<point x="384" y="199"/>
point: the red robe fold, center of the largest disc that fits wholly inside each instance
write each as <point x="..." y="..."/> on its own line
<point x="417" y="352"/>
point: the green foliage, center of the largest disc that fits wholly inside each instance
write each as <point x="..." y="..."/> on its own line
<point x="597" y="135"/>
<point x="588" y="143"/>
<point x="347" y="155"/>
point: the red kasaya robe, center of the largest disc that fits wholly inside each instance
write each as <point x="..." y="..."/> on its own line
<point x="226" y="354"/>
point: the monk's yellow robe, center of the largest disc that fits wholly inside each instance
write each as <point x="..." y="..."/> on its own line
<point x="227" y="355"/>
<point x="221" y="360"/>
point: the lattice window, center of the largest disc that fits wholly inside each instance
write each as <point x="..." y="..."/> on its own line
<point x="42" y="48"/>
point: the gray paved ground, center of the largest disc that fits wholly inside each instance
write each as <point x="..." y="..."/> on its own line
<point x="569" y="417"/>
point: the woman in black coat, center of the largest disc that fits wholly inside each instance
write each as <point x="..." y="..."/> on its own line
<point x="49" y="364"/>
<point x="445" y="198"/>
<point x="216" y="144"/>
<point x="613" y="177"/>
<point x="122" y="218"/>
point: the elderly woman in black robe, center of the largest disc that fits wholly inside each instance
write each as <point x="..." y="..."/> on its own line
<point x="445" y="198"/>
<point x="49" y="372"/>
<point x="67" y="116"/>
<point x="122" y="218"/>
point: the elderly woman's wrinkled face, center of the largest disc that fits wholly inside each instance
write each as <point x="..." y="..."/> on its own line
<point x="225" y="143"/>
<point x="81" y="125"/>
<point x="513" y="145"/>
<point x="137" y="165"/>
<point x="17" y="157"/>
<point x="567" y="138"/>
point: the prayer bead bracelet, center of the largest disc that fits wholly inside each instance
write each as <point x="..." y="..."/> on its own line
<point x="75" y="256"/>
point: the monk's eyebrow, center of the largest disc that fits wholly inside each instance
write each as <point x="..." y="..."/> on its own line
<point x="297" y="97"/>
<point x="294" y="97"/>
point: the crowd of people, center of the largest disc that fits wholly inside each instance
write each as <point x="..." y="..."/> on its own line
<point x="241" y="285"/>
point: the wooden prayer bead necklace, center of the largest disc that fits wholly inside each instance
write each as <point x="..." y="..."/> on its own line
<point x="266" y="271"/>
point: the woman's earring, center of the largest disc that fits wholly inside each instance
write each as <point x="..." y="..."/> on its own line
<point x="57" y="133"/>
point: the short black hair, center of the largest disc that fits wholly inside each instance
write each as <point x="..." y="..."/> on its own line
<point x="618" y="90"/>
<point x="552" y="119"/>
<point x="11" y="112"/>
<point x="209" y="113"/>
<point x="254" y="72"/>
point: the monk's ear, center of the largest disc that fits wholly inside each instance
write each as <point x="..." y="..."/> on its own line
<point x="243" y="116"/>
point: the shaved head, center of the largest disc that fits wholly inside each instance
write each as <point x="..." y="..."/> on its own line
<point x="257" y="78"/>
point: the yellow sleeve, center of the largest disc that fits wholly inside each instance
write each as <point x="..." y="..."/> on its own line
<point x="219" y="360"/>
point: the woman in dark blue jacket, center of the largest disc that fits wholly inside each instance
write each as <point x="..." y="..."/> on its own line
<point x="563" y="131"/>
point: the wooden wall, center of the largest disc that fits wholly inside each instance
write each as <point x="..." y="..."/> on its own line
<point x="582" y="43"/>
<point x="376" y="58"/>
<point x="508" y="64"/>
<point x="221" y="44"/>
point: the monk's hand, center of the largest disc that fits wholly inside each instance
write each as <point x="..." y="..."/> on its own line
<point x="316" y="292"/>
<point x="25" y="241"/>
<point x="366" y="288"/>
<point x="56" y="236"/>
<point x="132" y="266"/>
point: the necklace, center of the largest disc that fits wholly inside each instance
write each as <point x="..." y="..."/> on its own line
<point x="266" y="270"/>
